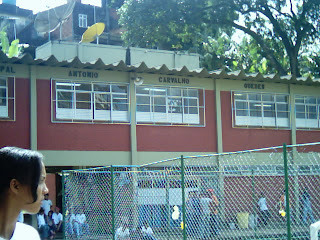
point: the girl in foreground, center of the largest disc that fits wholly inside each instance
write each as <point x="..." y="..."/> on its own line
<point x="22" y="187"/>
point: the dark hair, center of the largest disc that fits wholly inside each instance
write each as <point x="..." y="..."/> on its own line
<point x="21" y="164"/>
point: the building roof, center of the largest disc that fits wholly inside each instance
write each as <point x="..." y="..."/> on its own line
<point x="10" y="10"/>
<point x="27" y="59"/>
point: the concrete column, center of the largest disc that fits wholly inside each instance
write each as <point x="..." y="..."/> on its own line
<point x="33" y="107"/>
<point x="133" y="125"/>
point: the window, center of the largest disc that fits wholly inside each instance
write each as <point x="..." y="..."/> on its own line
<point x="170" y="105"/>
<point x="83" y="20"/>
<point x="260" y="109"/>
<point x="7" y="98"/>
<point x="90" y="101"/>
<point x="307" y="111"/>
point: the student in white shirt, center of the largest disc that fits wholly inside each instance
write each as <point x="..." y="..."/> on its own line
<point x="46" y="204"/>
<point x="122" y="233"/>
<point x="147" y="232"/>
<point x="22" y="187"/>
<point x="43" y="227"/>
<point x="264" y="211"/>
<point x="57" y="218"/>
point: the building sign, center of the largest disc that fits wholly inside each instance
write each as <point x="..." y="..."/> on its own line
<point x="83" y="74"/>
<point x="174" y="80"/>
<point x="7" y="69"/>
<point x="254" y="86"/>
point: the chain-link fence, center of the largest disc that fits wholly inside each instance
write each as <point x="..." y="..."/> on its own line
<point x="270" y="193"/>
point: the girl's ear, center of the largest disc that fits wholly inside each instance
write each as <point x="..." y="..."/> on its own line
<point x="15" y="186"/>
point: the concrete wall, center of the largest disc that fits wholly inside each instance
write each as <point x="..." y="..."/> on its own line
<point x="89" y="52"/>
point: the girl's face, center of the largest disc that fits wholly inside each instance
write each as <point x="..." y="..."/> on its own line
<point x="34" y="207"/>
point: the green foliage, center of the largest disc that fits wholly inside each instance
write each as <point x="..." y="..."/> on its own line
<point x="11" y="50"/>
<point x="277" y="32"/>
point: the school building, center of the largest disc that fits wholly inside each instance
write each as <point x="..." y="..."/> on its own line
<point x="84" y="113"/>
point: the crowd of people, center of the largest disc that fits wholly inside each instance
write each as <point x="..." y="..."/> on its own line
<point x="202" y="218"/>
<point x="142" y="232"/>
<point x="49" y="221"/>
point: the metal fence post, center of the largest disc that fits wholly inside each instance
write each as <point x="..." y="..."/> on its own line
<point x="112" y="203"/>
<point x="183" y="200"/>
<point x="286" y="181"/>
<point x="63" y="205"/>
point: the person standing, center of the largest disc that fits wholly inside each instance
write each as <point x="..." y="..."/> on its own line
<point x="205" y="203"/>
<point x="22" y="187"/>
<point x="264" y="211"/>
<point x="214" y="218"/>
<point x="193" y="211"/>
<point x="307" y="207"/>
<point x="46" y="204"/>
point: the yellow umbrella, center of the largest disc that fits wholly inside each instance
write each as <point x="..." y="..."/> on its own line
<point x="93" y="32"/>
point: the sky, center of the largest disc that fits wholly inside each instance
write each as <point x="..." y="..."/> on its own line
<point x="41" y="5"/>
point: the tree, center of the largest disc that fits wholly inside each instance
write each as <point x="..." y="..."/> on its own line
<point x="165" y="24"/>
<point x="274" y="24"/>
<point x="13" y="49"/>
<point x="281" y="30"/>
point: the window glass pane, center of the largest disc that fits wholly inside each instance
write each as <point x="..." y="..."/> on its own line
<point x="120" y="107"/>
<point x="143" y="108"/>
<point x="241" y="105"/>
<point x="192" y="110"/>
<point x="312" y="115"/>
<point x="190" y="102"/>
<point x="102" y="98"/>
<point x="64" y="104"/>
<point x="268" y="106"/>
<point x="175" y="109"/>
<point x="240" y="96"/>
<point x="242" y="112"/>
<point x="3" y="93"/>
<point x="100" y="87"/>
<point x="143" y="100"/>
<point x="65" y="96"/>
<point x="83" y="105"/>
<point x="158" y="91"/>
<point x="83" y="97"/>
<point x="311" y="100"/>
<point x="255" y="106"/>
<point x="282" y="107"/>
<point x="142" y="90"/>
<point x="102" y="106"/>
<point x="300" y="115"/>
<point x="174" y="92"/>
<point x="119" y="99"/>
<point x="256" y="97"/>
<point x="119" y="89"/>
<point x="3" y="82"/>
<point x="281" y="98"/>
<point x="190" y="93"/>
<point x="3" y="102"/>
<point x="282" y="114"/>
<point x="83" y="86"/>
<point x="267" y="97"/>
<point x="255" y="113"/>
<point x="161" y="109"/>
<point x="64" y="85"/>
<point x="300" y="108"/>
<point x="268" y="113"/>
<point x="299" y="99"/>
<point x="159" y="101"/>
